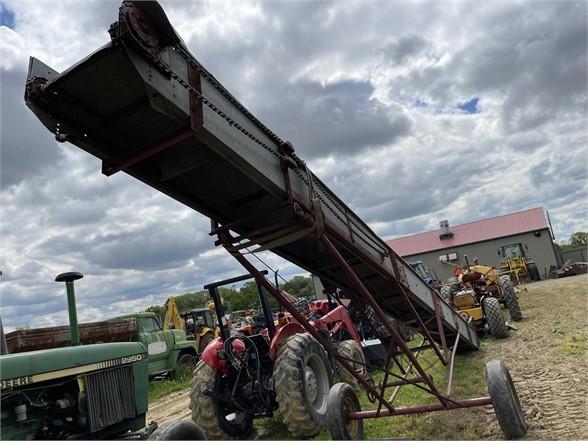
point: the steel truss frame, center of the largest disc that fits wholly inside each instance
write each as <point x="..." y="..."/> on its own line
<point x="414" y="374"/>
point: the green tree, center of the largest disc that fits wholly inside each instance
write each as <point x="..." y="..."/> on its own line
<point x="299" y="286"/>
<point x="157" y="309"/>
<point x="579" y="238"/>
<point x="247" y="297"/>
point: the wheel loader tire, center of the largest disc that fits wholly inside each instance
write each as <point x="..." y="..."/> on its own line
<point x="341" y="401"/>
<point x="302" y="380"/>
<point x="494" y="319"/>
<point x="351" y="351"/>
<point x="180" y="430"/>
<point x="208" y="414"/>
<point x="505" y="400"/>
<point x="446" y="293"/>
<point x="204" y="340"/>
<point x="510" y="298"/>
<point x="533" y="272"/>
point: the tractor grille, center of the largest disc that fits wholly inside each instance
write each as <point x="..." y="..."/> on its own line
<point x="111" y="397"/>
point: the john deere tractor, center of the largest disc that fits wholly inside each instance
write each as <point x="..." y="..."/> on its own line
<point x="78" y="391"/>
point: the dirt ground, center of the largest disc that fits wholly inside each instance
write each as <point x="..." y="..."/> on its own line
<point x="547" y="356"/>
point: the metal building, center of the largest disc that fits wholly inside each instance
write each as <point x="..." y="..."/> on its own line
<point x="525" y="233"/>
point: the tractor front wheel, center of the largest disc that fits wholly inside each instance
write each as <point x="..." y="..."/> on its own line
<point x="341" y="402"/>
<point x="209" y="414"/>
<point x="505" y="400"/>
<point x="353" y="353"/>
<point x="494" y="319"/>
<point x="510" y="298"/>
<point x="204" y="340"/>
<point x="302" y="380"/>
<point x="533" y="272"/>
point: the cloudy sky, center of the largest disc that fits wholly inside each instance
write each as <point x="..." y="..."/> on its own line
<point x="411" y="111"/>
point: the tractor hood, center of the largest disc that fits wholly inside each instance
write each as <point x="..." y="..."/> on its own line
<point x="32" y="367"/>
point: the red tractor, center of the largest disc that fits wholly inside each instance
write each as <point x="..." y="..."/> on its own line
<point x="279" y="366"/>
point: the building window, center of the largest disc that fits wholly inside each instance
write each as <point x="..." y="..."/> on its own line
<point x="451" y="257"/>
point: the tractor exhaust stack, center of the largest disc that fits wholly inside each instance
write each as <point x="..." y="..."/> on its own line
<point x="69" y="278"/>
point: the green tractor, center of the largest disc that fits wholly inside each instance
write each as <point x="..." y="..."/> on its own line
<point x="97" y="391"/>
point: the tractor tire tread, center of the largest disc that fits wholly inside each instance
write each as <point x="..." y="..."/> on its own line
<point x="494" y="319"/>
<point x="204" y="340"/>
<point x="201" y="403"/>
<point x="505" y="400"/>
<point x="337" y="413"/>
<point x="351" y="350"/>
<point x="289" y="386"/>
<point x="510" y="298"/>
<point x="533" y="272"/>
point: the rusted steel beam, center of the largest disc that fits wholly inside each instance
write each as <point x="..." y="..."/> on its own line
<point x="425" y="408"/>
<point x="379" y="268"/>
<point x="224" y="236"/>
<point x="367" y="297"/>
<point x="405" y="382"/>
<point x="24" y="340"/>
<point x="146" y="151"/>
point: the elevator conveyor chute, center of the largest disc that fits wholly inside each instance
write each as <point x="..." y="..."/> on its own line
<point x="145" y="106"/>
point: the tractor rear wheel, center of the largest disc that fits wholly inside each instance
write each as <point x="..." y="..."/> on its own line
<point x="204" y="340"/>
<point x="341" y="402"/>
<point x="210" y="415"/>
<point x="302" y="380"/>
<point x="533" y="272"/>
<point x="510" y="297"/>
<point x="494" y="319"/>
<point x="446" y="293"/>
<point x="354" y="355"/>
<point x="505" y="400"/>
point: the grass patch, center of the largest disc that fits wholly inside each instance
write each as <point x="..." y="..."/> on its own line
<point x="574" y="344"/>
<point x="159" y="388"/>
<point x="571" y="336"/>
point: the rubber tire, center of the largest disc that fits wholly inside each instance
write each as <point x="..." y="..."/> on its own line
<point x="494" y="319"/>
<point x="445" y="293"/>
<point x="340" y="401"/>
<point x="351" y="350"/>
<point x="510" y="298"/>
<point x="204" y="340"/>
<point x="204" y="409"/>
<point x="183" y="359"/>
<point x="505" y="400"/>
<point x="181" y="430"/>
<point x="533" y="272"/>
<point x="302" y="419"/>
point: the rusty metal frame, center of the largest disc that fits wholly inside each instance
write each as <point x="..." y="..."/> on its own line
<point x="376" y="393"/>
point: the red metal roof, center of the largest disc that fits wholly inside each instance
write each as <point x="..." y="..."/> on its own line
<point x="478" y="231"/>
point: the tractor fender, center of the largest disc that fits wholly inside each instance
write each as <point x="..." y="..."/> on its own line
<point x="282" y="334"/>
<point x="210" y="355"/>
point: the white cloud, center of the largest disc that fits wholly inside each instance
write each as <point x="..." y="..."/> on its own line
<point x="368" y="93"/>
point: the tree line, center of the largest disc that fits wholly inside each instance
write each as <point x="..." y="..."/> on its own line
<point x="576" y="241"/>
<point x="236" y="299"/>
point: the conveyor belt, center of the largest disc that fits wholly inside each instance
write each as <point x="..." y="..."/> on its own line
<point x="144" y="105"/>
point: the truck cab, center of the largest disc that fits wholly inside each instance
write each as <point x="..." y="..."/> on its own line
<point x="165" y="348"/>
